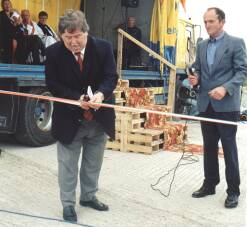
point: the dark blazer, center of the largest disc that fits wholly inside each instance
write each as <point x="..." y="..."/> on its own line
<point x="229" y="70"/>
<point x="64" y="79"/>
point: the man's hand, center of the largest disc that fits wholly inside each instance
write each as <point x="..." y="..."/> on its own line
<point x="218" y="93"/>
<point x="96" y="99"/>
<point x="193" y="80"/>
<point x="84" y="102"/>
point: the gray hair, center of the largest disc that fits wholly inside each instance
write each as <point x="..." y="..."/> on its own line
<point x="72" y="20"/>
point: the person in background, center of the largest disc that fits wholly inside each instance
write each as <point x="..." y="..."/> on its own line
<point x="9" y="19"/>
<point x="28" y="47"/>
<point x="72" y="65"/>
<point x="220" y="70"/>
<point x="132" y="52"/>
<point x="50" y="36"/>
<point x="30" y="27"/>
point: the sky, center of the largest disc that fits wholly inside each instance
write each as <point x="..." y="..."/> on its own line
<point x="235" y="15"/>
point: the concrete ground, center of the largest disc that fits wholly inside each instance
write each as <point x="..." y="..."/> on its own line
<point x="28" y="186"/>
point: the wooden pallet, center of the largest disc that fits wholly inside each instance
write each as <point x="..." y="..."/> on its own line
<point x="135" y="148"/>
<point x="122" y="84"/>
<point x="142" y="140"/>
<point x="145" y="135"/>
<point x="118" y="94"/>
<point x="129" y="125"/>
<point x="145" y="141"/>
<point x="120" y="102"/>
<point x="128" y="121"/>
<point x="142" y="135"/>
<point x="129" y="115"/>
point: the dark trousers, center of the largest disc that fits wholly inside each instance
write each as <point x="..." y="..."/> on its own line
<point x="212" y="133"/>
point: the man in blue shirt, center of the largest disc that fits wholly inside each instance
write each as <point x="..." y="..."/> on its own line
<point x="221" y="68"/>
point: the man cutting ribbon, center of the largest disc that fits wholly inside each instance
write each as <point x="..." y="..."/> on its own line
<point x="73" y="64"/>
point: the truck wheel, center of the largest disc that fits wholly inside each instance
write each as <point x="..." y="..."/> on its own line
<point x="34" y="122"/>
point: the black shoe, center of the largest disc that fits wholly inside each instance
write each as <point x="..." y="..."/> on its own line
<point x="69" y="214"/>
<point x="203" y="191"/>
<point x="231" y="201"/>
<point x="95" y="204"/>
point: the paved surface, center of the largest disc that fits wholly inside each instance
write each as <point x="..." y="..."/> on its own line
<point x="28" y="184"/>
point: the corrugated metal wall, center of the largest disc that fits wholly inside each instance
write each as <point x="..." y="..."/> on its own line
<point x="54" y="8"/>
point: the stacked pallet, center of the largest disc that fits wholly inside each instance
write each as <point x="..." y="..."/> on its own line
<point x="174" y="133"/>
<point x="133" y="97"/>
<point x="119" y="99"/>
<point x="132" y="137"/>
<point x="119" y="94"/>
<point x="143" y="132"/>
<point x="122" y="84"/>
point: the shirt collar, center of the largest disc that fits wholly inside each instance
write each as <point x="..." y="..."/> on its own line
<point x="219" y="37"/>
<point x="82" y="52"/>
